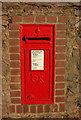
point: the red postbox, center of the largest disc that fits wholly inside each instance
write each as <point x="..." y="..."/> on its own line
<point x="37" y="63"/>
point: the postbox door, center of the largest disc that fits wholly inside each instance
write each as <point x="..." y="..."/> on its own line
<point x="37" y="81"/>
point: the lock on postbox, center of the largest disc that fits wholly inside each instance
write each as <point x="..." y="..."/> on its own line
<point x="37" y="63"/>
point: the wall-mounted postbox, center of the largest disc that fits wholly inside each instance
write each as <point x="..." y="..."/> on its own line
<point x="37" y="63"/>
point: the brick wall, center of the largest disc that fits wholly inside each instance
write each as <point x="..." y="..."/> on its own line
<point x="14" y="52"/>
<point x="65" y="18"/>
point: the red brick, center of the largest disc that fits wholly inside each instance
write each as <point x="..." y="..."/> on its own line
<point x="51" y="19"/>
<point x="29" y="19"/>
<point x="40" y="108"/>
<point x="15" y="100"/>
<point x="13" y="42"/>
<point x="15" y="93"/>
<point x="40" y="19"/>
<point x="12" y="108"/>
<point x="14" y="34"/>
<point x="61" y="35"/>
<point x="13" y="26"/>
<point x="60" y="63"/>
<point x="61" y="27"/>
<point x="14" y="64"/>
<point x="47" y="108"/>
<point x="16" y="18"/>
<point x="15" y="79"/>
<point x="15" y="86"/>
<point x="14" y="57"/>
<point x="25" y="108"/>
<point x="55" y="108"/>
<point x="59" y="85"/>
<point x="60" y="71"/>
<point x="59" y="78"/>
<point x="33" y="109"/>
<point x="60" y="56"/>
<point x="62" y="19"/>
<point x="60" y="49"/>
<point x="59" y="99"/>
<point x="60" y="42"/>
<point x="14" y="49"/>
<point x="61" y="107"/>
<point x="15" y="71"/>
<point x="19" y="109"/>
<point x="59" y="92"/>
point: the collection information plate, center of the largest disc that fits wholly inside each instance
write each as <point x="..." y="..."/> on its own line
<point x="37" y="57"/>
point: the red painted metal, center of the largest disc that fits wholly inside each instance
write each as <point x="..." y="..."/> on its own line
<point x="38" y="86"/>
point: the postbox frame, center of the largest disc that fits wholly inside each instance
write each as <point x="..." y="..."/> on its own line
<point x="23" y="70"/>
